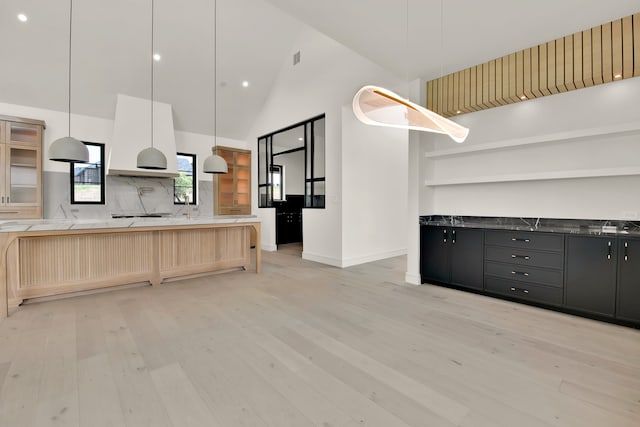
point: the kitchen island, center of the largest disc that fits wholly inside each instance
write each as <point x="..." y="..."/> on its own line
<point x="42" y="258"/>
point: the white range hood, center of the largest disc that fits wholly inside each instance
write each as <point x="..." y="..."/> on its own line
<point x="132" y="134"/>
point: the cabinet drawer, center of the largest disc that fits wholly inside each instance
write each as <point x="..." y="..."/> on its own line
<point x="525" y="273"/>
<point x="524" y="291"/>
<point x="526" y="240"/>
<point x="240" y="210"/>
<point x="522" y="256"/>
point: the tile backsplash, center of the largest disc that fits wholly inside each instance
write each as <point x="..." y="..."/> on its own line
<point x="123" y="196"/>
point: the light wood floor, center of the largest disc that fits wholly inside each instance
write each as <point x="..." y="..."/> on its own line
<point x="308" y="345"/>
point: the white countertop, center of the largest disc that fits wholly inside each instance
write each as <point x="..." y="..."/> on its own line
<point x="82" y="224"/>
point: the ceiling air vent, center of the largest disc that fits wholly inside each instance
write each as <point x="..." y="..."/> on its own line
<point x="296" y="58"/>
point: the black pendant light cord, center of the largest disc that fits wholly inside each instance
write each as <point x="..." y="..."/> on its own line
<point x="69" y="87"/>
<point x="152" y="60"/>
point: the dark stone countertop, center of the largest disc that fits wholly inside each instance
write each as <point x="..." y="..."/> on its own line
<point x="549" y="225"/>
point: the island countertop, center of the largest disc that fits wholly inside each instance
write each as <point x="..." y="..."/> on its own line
<point x="11" y="226"/>
<point x="41" y="258"/>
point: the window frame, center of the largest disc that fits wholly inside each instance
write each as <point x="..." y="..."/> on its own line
<point x="309" y="164"/>
<point x="194" y="183"/>
<point x="72" y="167"/>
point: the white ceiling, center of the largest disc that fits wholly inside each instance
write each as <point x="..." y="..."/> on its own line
<point x="111" y="46"/>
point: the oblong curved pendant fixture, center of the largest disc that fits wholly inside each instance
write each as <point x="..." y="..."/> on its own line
<point x="377" y="106"/>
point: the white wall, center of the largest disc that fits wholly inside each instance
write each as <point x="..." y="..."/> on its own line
<point x="325" y="80"/>
<point x="374" y="191"/>
<point x="582" y="129"/>
<point x="293" y="171"/>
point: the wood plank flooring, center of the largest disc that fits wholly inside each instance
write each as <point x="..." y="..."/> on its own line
<point x="304" y="344"/>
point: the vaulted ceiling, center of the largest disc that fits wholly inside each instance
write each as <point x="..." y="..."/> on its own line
<point x="255" y="39"/>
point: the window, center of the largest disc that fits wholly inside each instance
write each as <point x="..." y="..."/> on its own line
<point x="301" y="149"/>
<point x="87" y="179"/>
<point x="185" y="185"/>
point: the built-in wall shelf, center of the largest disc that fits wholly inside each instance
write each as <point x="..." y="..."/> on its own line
<point x="538" y="176"/>
<point x="553" y="137"/>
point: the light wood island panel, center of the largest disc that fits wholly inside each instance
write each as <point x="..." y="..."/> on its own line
<point x="46" y="263"/>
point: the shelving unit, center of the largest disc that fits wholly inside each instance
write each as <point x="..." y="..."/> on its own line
<point x="21" y="161"/>
<point x="552" y="137"/>
<point x="540" y="176"/>
<point x="233" y="189"/>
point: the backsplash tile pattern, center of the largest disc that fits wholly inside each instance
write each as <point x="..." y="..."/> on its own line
<point x="124" y="196"/>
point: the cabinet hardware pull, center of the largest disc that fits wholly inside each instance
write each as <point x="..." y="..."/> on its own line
<point x="3" y="200"/>
<point x="609" y="250"/>
<point x="515" y="239"/>
<point x="444" y="239"/>
<point x="453" y="237"/>
<point x="525" y="257"/>
<point x="7" y="212"/>
<point x="526" y="291"/>
<point x="520" y="273"/>
<point x="626" y="247"/>
<point x="8" y="199"/>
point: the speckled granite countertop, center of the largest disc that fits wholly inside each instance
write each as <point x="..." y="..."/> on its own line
<point x="548" y="225"/>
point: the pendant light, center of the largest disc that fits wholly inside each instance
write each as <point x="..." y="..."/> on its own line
<point x="151" y="158"/>
<point x="214" y="163"/>
<point x="69" y="149"/>
<point x="378" y="106"/>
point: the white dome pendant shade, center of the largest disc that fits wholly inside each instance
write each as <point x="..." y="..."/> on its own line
<point x="377" y="106"/>
<point x="68" y="149"/>
<point x="215" y="164"/>
<point x="151" y="158"/>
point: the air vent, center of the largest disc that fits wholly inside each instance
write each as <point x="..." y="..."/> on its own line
<point x="296" y="58"/>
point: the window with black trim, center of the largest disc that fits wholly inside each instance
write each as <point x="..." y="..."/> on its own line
<point x="87" y="179"/>
<point x="302" y="144"/>
<point x="184" y="185"/>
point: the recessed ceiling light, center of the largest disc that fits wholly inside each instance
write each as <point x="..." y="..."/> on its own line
<point x="523" y="97"/>
<point x="22" y="17"/>
<point x="245" y="84"/>
<point x="157" y="57"/>
<point x="617" y="76"/>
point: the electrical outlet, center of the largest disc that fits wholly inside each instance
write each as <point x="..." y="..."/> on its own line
<point x="629" y="215"/>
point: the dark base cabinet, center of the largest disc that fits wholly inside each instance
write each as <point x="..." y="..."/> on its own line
<point x="466" y="258"/>
<point x="591" y="274"/>
<point x="596" y="276"/>
<point x="434" y="254"/>
<point x="628" y="298"/>
<point x="452" y="255"/>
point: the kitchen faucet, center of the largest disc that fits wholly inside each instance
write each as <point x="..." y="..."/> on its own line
<point x="187" y="206"/>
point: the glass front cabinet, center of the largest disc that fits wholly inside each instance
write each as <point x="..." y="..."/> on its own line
<point x="21" y="160"/>
<point x="233" y="189"/>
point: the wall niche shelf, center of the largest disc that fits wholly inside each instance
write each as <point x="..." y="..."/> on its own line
<point x="506" y="144"/>
<point x="539" y="176"/>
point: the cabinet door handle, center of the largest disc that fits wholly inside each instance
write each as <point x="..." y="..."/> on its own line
<point x="3" y="200"/>
<point x="626" y="250"/>
<point x="519" y="273"/>
<point x="444" y="239"/>
<point x="609" y="250"/>
<point x="453" y="237"/>
<point x="516" y="239"/>
<point x="525" y="257"/>
<point x="526" y="291"/>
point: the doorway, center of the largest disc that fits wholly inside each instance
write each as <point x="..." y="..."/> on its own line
<point x="291" y="165"/>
